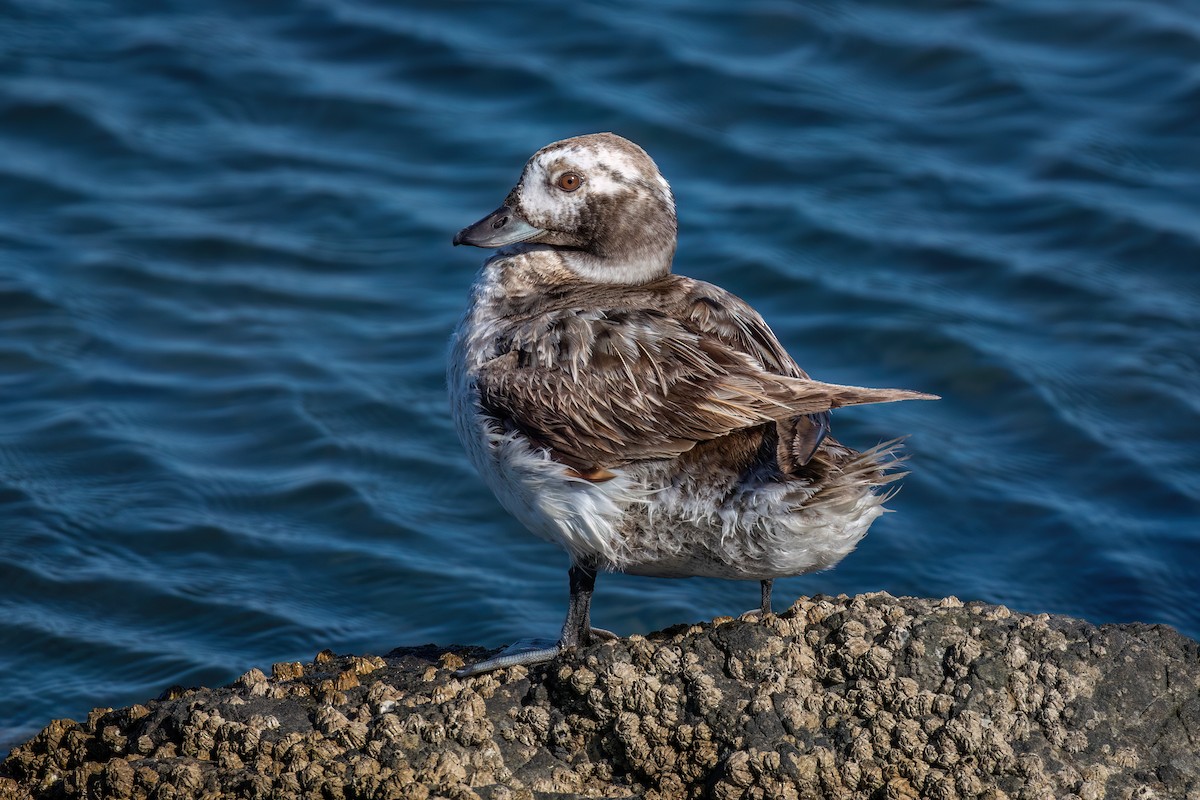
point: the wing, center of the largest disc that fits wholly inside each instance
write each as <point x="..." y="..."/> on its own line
<point x="714" y="311"/>
<point x="604" y="389"/>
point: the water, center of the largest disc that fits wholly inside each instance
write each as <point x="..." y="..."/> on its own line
<point x="226" y="284"/>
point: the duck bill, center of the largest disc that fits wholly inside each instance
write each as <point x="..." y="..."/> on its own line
<point x="503" y="226"/>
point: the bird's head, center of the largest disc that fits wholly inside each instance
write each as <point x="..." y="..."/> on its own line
<point x="597" y="199"/>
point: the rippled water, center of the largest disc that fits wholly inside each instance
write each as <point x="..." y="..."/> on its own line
<point x="226" y="286"/>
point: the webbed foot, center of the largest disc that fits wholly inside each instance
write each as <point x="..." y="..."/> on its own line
<point x="577" y="631"/>
<point x="520" y="653"/>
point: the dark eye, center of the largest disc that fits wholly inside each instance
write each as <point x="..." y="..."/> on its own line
<point x="569" y="181"/>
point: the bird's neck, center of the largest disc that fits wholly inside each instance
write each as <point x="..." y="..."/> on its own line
<point x="630" y="266"/>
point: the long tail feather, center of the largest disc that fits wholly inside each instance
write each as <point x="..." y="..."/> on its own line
<point x="810" y="397"/>
<point x="859" y="395"/>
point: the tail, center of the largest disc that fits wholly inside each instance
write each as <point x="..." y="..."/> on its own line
<point x="805" y="396"/>
<point x="837" y="395"/>
<point x="751" y="399"/>
<point x="852" y="476"/>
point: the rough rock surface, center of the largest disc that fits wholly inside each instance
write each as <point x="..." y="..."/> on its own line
<point x="865" y="697"/>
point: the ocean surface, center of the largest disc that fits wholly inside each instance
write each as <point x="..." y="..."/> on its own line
<point x="227" y="285"/>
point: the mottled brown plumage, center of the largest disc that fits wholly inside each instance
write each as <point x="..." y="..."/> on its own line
<point x="646" y="422"/>
<point x="605" y="376"/>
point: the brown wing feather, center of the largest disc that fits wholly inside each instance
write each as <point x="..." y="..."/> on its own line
<point x="713" y="311"/>
<point x="604" y="389"/>
<point x="725" y="315"/>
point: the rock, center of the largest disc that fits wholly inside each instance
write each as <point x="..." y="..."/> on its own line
<point x="864" y="697"/>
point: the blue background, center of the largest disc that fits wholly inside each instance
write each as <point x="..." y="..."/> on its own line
<point x="226" y="287"/>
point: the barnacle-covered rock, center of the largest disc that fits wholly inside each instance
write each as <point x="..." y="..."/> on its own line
<point x="864" y="697"/>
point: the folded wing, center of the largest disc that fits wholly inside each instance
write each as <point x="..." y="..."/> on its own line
<point x="605" y="389"/>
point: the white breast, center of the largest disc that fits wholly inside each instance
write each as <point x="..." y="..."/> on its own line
<point x="578" y="515"/>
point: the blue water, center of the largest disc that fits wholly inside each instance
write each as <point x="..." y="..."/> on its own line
<point x="226" y="285"/>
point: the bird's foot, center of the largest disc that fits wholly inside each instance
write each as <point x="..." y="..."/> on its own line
<point x="601" y="635"/>
<point x="520" y="653"/>
<point x="526" y="652"/>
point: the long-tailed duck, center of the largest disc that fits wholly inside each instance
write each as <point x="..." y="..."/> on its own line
<point x="646" y="422"/>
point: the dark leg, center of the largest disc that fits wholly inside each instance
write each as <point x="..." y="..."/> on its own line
<point x="766" y="596"/>
<point x="577" y="629"/>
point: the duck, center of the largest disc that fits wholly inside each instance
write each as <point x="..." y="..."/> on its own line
<point x="645" y="422"/>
